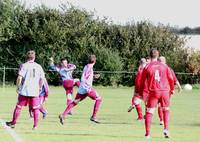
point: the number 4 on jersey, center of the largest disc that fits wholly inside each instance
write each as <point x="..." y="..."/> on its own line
<point x="157" y="76"/>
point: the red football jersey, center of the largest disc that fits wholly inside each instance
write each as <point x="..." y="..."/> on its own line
<point x="158" y="76"/>
<point x="138" y="80"/>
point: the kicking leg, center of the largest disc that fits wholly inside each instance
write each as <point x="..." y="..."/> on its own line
<point x="94" y="96"/>
<point x="138" y="107"/>
<point x="79" y="97"/>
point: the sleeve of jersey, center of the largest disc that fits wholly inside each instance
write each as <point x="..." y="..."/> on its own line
<point x="170" y="79"/>
<point x="142" y="81"/>
<point x="54" y="68"/>
<point x="42" y="73"/>
<point x="137" y="82"/>
<point x="86" y="74"/>
<point x="46" y="86"/>
<point x="41" y="76"/>
<point x="22" y="71"/>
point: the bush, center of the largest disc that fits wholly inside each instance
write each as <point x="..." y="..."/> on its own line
<point x="75" y="33"/>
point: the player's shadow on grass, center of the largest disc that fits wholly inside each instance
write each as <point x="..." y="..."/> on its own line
<point x="192" y="124"/>
<point x="85" y="135"/>
<point x="117" y="123"/>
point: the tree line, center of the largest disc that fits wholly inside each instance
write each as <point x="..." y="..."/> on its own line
<point x="75" y="33"/>
<point x="186" y="30"/>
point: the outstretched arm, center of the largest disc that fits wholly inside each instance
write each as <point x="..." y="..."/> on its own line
<point x="52" y="65"/>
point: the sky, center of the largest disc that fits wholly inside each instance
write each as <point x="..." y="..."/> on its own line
<point x="179" y="13"/>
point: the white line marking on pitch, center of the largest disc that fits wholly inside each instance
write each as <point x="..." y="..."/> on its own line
<point x="11" y="131"/>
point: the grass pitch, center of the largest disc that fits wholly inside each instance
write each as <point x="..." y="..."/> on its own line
<point x="117" y="125"/>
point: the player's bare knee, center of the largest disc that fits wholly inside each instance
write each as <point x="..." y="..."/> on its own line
<point x="69" y="96"/>
<point x="19" y="106"/>
<point x="76" y="101"/>
<point x="165" y="108"/>
<point x="151" y="110"/>
<point x="98" y="98"/>
<point x="137" y="101"/>
<point x="36" y="107"/>
<point x="76" y="80"/>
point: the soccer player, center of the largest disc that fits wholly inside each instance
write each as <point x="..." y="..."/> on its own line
<point x="29" y="83"/>
<point x="137" y="99"/>
<point x="160" y="83"/>
<point x="65" y="71"/>
<point x="85" y="89"/>
<point x="162" y="59"/>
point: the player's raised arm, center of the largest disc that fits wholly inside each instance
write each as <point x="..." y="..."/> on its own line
<point x="52" y="65"/>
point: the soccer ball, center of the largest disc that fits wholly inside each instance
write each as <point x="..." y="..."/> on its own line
<point x="188" y="87"/>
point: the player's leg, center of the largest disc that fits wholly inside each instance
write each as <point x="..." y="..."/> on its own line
<point x="165" y="102"/>
<point x="94" y="96"/>
<point x="145" y="99"/>
<point x="69" y="97"/>
<point x="22" y="101"/>
<point x="137" y="103"/>
<point x="78" y="98"/>
<point x="132" y="104"/>
<point x="68" y="85"/>
<point x="42" y="109"/>
<point x="160" y="114"/>
<point x="30" y="112"/>
<point x="151" y="106"/>
<point x="69" y="93"/>
<point x="35" y="105"/>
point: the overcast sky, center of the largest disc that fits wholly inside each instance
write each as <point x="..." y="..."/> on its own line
<point x="174" y="12"/>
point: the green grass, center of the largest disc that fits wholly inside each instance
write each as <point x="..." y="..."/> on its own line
<point x="117" y="125"/>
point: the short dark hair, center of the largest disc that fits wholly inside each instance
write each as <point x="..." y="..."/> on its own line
<point x="92" y="59"/>
<point x="62" y="59"/>
<point x="154" y="53"/>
